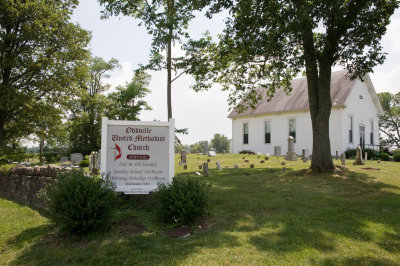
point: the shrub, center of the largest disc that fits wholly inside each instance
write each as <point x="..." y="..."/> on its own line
<point x="84" y="163"/>
<point x="51" y="157"/>
<point x="80" y="204"/>
<point x="351" y="153"/>
<point x="185" y="200"/>
<point x="384" y="156"/>
<point x="396" y="157"/>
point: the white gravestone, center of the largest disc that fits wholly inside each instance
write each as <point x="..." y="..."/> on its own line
<point x="291" y="155"/>
<point x="76" y="158"/>
<point x="277" y="151"/>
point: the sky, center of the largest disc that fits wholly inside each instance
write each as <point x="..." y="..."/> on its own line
<point x="203" y="113"/>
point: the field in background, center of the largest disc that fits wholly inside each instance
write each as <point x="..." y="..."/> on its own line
<point x="259" y="216"/>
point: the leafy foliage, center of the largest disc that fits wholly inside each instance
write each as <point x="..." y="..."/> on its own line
<point x="84" y="163"/>
<point x="266" y="44"/>
<point x="351" y="153"/>
<point x="79" y="204"/>
<point x="41" y="58"/>
<point x="88" y="108"/>
<point x="220" y="143"/>
<point x="197" y="147"/>
<point x="166" y="21"/>
<point x="127" y="102"/>
<point x="389" y="122"/>
<point x="185" y="200"/>
<point x="384" y="156"/>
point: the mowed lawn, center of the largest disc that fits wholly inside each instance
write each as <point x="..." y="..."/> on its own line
<point x="260" y="216"/>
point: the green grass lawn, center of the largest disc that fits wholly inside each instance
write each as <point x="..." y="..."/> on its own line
<point x="259" y="216"/>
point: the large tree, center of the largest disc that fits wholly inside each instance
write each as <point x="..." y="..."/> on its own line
<point x="127" y="101"/>
<point x="389" y="121"/>
<point x="89" y="106"/>
<point x="268" y="43"/>
<point x="166" y="21"/>
<point x="41" y="54"/>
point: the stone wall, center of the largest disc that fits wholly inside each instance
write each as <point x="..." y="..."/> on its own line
<point x="23" y="183"/>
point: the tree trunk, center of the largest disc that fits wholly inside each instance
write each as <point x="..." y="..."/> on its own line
<point x="319" y="97"/>
<point x="41" y="150"/>
<point x="170" y="6"/>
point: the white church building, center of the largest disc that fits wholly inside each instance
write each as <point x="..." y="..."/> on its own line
<point x="354" y="118"/>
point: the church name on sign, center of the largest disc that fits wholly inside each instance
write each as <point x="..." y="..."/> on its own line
<point x="138" y="155"/>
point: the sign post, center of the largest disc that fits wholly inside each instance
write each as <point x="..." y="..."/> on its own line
<point x="137" y="154"/>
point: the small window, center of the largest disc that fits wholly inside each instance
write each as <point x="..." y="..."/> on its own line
<point x="267" y="131"/>
<point x="372" y="132"/>
<point x="245" y="133"/>
<point x="361" y="97"/>
<point x="351" y="129"/>
<point x="292" y="129"/>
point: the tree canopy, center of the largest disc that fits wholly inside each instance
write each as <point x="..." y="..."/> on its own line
<point x="127" y="101"/>
<point x="268" y="43"/>
<point x="41" y="58"/>
<point x="389" y="122"/>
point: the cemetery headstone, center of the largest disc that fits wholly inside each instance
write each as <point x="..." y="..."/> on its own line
<point x="211" y="154"/>
<point x="208" y="160"/>
<point x="304" y="154"/>
<point x="200" y="167"/>
<point x="236" y="166"/>
<point x="183" y="157"/>
<point x="343" y="159"/>
<point x="337" y="155"/>
<point x="251" y="165"/>
<point x="262" y="161"/>
<point x="358" y="160"/>
<point x="219" y="166"/>
<point x="95" y="163"/>
<point x="205" y="169"/>
<point x="277" y="151"/>
<point x="90" y="163"/>
<point x="63" y="159"/>
<point x="266" y="158"/>
<point x="291" y="155"/>
<point x="185" y="167"/>
<point x="76" y="158"/>
<point x="205" y="147"/>
<point x="366" y="156"/>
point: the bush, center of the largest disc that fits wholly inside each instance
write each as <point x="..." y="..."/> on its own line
<point x="351" y="153"/>
<point x="384" y="156"/>
<point x="396" y="157"/>
<point x="51" y="157"/>
<point x="185" y="200"/>
<point x="84" y="163"/>
<point x="80" y="204"/>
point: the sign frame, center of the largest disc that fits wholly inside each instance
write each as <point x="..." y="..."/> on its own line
<point x="171" y="134"/>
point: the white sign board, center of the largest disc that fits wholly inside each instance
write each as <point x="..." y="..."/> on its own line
<point x="138" y="155"/>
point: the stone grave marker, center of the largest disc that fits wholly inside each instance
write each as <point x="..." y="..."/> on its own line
<point x="304" y="154"/>
<point x="343" y="159"/>
<point x="211" y="154"/>
<point x="90" y="163"/>
<point x="183" y="157"/>
<point x="219" y="166"/>
<point x="205" y="147"/>
<point x="63" y="159"/>
<point x="358" y="160"/>
<point x="251" y="165"/>
<point x="185" y="167"/>
<point x="205" y="169"/>
<point x="200" y="167"/>
<point x="291" y="155"/>
<point x="236" y="166"/>
<point x="277" y="151"/>
<point x="366" y="156"/>
<point x="208" y="160"/>
<point x="337" y="155"/>
<point x="95" y="163"/>
<point x="76" y="158"/>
